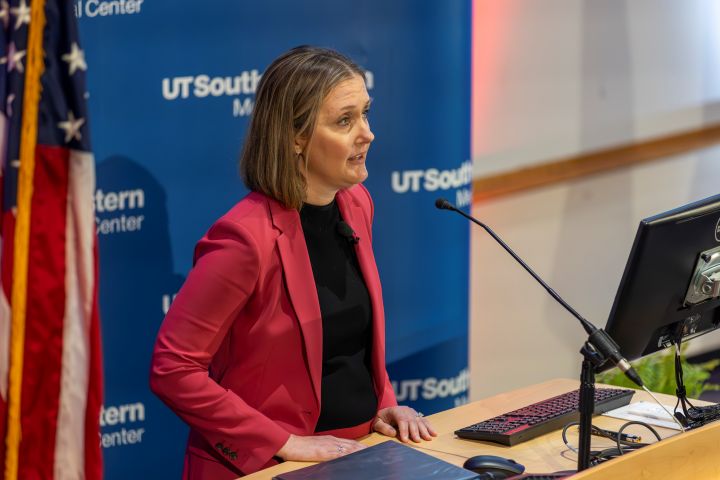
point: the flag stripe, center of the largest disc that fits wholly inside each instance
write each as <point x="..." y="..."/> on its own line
<point x="93" y="451"/>
<point x="4" y="344"/>
<point x="7" y="223"/>
<point x="8" y="227"/>
<point x="46" y="306"/>
<point x="80" y="281"/>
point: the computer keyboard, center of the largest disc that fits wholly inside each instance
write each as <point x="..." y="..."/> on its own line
<point x="543" y="417"/>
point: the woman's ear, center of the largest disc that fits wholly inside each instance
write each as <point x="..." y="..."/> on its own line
<point x="300" y="144"/>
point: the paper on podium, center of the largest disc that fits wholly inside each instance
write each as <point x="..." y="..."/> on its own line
<point x="385" y="461"/>
<point x="647" y="412"/>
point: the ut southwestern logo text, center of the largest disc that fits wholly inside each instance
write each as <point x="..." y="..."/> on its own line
<point x="242" y="86"/>
<point x="431" y="388"/>
<point x="433" y="179"/>
<point x="113" y="415"/>
<point x="109" y="208"/>
<point x="106" y="8"/>
<point x="201" y="86"/>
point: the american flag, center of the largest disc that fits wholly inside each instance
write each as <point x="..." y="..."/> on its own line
<point x="50" y="363"/>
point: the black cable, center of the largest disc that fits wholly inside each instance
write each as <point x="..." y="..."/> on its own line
<point x="627" y="424"/>
<point x="622" y="446"/>
<point x="610" y="453"/>
<point x="694" y="416"/>
<point x="680" y="390"/>
<point x="564" y="436"/>
<point x="625" y="439"/>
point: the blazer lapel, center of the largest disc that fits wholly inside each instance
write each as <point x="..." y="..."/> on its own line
<point x="354" y="215"/>
<point x="300" y="287"/>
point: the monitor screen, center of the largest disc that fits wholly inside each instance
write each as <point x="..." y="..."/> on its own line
<point x="670" y="289"/>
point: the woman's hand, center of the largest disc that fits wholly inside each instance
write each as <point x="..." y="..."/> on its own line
<point x="317" y="449"/>
<point x="404" y="423"/>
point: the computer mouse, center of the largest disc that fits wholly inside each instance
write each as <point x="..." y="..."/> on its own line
<point x="499" y="467"/>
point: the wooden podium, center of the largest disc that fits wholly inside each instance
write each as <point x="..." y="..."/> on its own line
<point x="694" y="454"/>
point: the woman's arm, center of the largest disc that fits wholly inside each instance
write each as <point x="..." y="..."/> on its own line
<point x="223" y="278"/>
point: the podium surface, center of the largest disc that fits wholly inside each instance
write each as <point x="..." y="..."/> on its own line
<point x="694" y="454"/>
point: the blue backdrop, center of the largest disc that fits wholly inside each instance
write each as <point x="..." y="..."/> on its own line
<point x="171" y="85"/>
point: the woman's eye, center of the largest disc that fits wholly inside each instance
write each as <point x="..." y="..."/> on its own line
<point x="365" y="114"/>
<point x="344" y="121"/>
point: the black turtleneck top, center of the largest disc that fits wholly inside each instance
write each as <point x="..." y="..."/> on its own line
<point x="347" y="393"/>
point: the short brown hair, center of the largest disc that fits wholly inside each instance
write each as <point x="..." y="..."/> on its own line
<point x="288" y="99"/>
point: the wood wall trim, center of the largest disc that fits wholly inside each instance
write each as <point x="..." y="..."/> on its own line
<point x="493" y="186"/>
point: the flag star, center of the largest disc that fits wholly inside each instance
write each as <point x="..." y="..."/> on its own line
<point x="15" y="163"/>
<point x="14" y="58"/>
<point x="22" y="14"/>
<point x="72" y="127"/>
<point x="5" y="13"/>
<point x="75" y="59"/>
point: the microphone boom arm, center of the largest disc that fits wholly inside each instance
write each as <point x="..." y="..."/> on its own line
<point x="597" y="349"/>
<point x="445" y="205"/>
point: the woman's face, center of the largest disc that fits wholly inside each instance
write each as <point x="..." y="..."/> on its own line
<point x="337" y="150"/>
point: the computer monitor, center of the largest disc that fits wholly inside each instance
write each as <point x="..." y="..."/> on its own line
<point x="670" y="289"/>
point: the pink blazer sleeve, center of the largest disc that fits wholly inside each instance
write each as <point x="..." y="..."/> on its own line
<point x="224" y="276"/>
<point x="388" y="397"/>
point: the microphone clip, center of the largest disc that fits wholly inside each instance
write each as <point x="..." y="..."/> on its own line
<point x="591" y="353"/>
<point x="346" y="231"/>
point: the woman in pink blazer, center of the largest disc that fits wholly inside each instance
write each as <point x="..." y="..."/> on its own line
<point x="274" y="348"/>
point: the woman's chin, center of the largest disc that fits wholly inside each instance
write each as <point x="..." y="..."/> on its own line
<point x="357" y="175"/>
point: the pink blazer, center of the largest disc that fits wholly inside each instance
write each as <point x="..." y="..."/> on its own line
<point x="239" y="354"/>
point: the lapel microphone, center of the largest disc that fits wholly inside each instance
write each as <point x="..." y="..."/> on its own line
<point x="346" y="231"/>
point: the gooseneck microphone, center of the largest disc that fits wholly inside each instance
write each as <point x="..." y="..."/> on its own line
<point x="346" y="231"/>
<point x="597" y="337"/>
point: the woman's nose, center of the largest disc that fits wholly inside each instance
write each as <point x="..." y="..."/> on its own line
<point x="366" y="135"/>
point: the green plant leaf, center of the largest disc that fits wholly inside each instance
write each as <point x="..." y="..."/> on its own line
<point x="658" y="373"/>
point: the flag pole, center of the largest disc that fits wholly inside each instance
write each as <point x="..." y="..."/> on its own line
<point x="28" y="140"/>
